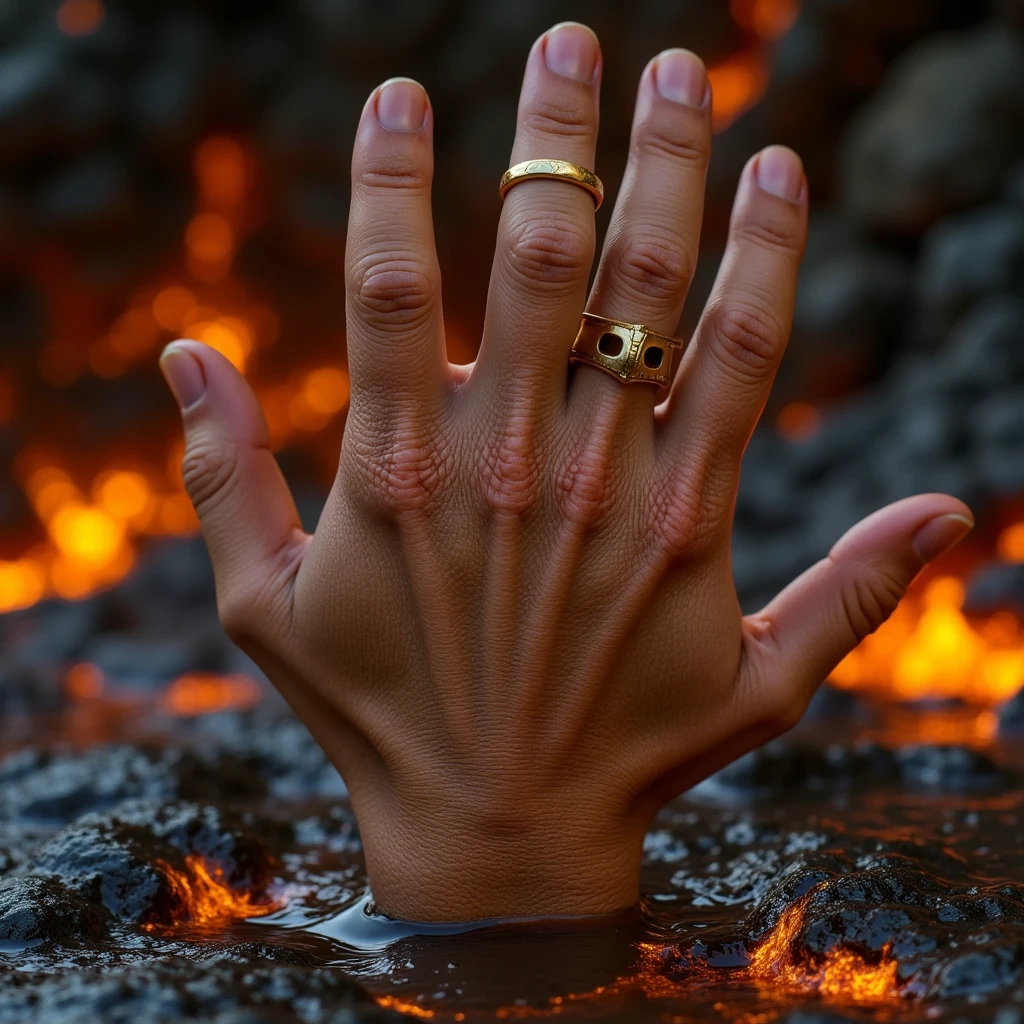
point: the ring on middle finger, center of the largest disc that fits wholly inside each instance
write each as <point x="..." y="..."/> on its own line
<point x="632" y="353"/>
<point x="558" y="170"/>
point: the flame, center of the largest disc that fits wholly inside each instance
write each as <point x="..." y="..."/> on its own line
<point x="206" y="897"/>
<point x="930" y="648"/>
<point x="408" y="1008"/>
<point x="843" y="975"/>
<point x="200" y="693"/>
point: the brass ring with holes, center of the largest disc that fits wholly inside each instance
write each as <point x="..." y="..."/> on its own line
<point x="632" y="353"/>
<point x="558" y="170"/>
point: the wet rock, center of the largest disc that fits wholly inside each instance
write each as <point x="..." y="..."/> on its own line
<point x="798" y="768"/>
<point x="122" y="860"/>
<point x="904" y="168"/>
<point x="218" y="991"/>
<point x="61" y="786"/>
<point x="42" y="910"/>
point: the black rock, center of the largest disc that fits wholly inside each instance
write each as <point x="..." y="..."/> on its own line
<point x="994" y="588"/>
<point x="34" y="909"/>
<point x="920" y="149"/>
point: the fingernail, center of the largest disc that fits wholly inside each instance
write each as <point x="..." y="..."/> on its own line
<point x="681" y="77"/>
<point x="940" y="534"/>
<point x="780" y="172"/>
<point x="572" y="50"/>
<point x="402" y="105"/>
<point x="184" y="375"/>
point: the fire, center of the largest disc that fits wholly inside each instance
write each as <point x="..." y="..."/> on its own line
<point x="206" y="897"/>
<point x="201" y="693"/>
<point x="930" y="648"/>
<point x="408" y="1008"/>
<point x="843" y="975"/>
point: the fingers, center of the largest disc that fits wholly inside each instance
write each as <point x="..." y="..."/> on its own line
<point x="818" y="619"/>
<point x="651" y="248"/>
<point x="724" y="381"/>
<point x="395" y="332"/>
<point x="545" y="240"/>
<point x="245" y="509"/>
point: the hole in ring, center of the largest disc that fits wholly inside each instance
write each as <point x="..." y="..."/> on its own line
<point x="609" y="345"/>
<point x="653" y="357"/>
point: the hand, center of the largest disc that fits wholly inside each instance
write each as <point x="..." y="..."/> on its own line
<point x="515" y="630"/>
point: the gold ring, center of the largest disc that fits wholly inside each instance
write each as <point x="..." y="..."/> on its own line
<point x="631" y="352"/>
<point x="559" y="170"/>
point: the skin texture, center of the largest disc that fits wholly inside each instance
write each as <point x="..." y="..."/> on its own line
<point x="515" y="630"/>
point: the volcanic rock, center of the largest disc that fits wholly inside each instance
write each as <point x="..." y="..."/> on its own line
<point x="904" y="167"/>
<point x="42" y="910"/>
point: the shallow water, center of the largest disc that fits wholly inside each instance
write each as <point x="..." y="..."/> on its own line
<point x="828" y="874"/>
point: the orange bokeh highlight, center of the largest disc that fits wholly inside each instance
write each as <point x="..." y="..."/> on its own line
<point x="1010" y="546"/>
<point x="737" y="84"/>
<point x="798" y="421"/>
<point x="172" y="306"/>
<point x="80" y="17"/>
<point x="201" y="693"/>
<point x="83" y="681"/>
<point x="221" y="172"/>
<point x="209" y="238"/>
<point x="768" y="19"/>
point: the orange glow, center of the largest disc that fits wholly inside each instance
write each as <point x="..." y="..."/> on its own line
<point x="406" y="1007"/>
<point x="201" y="693"/>
<point x="89" y="535"/>
<point x="209" y="238"/>
<point x="737" y="84"/>
<point x="930" y="648"/>
<point x="206" y="897"/>
<point x="83" y="681"/>
<point x="22" y="583"/>
<point x="1010" y="545"/>
<point x="326" y="390"/>
<point x="80" y="17"/>
<point x="231" y="337"/>
<point x="843" y="975"/>
<point x="172" y="306"/>
<point x="220" y="166"/>
<point x="124" y="494"/>
<point x="768" y="19"/>
<point x="798" y="421"/>
<point x="6" y="400"/>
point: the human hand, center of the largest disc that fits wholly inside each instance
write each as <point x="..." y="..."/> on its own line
<point x="515" y="630"/>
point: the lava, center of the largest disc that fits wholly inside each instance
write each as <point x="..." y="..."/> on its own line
<point x="206" y="898"/>
<point x="930" y="648"/>
<point x="843" y="975"/>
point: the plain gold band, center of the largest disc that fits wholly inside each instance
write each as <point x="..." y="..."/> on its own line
<point x="558" y="170"/>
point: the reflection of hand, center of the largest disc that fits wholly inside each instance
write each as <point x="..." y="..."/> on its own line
<point x="515" y="631"/>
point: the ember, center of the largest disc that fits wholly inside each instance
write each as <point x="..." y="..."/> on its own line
<point x="207" y="898"/>
<point x="201" y="693"/>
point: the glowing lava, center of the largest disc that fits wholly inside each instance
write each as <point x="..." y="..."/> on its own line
<point x="931" y="648"/>
<point x="841" y="976"/>
<point x="206" y="898"/>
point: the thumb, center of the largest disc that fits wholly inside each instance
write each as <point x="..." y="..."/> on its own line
<point x="246" y="511"/>
<point x="823" y="614"/>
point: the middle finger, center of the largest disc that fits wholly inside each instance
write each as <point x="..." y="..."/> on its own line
<point x="546" y="233"/>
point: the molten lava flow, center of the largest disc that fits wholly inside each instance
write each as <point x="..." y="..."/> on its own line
<point x="201" y="693"/>
<point x="931" y="648"/>
<point x="206" y="898"/>
<point x="841" y="976"/>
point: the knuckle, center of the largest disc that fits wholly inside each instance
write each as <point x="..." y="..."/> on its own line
<point x="511" y="472"/>
<point x="748" y="340"/>
<point x="402" y="474"/>
<point x="397" y="171"/>
<point x="209" y="469"/>
<point x="691" y="148"/>
<point x="563" y="120"/>
<point x="392" y="289"/>
<point x="868" y="600"/>
<point x="683" y="512"/>
<point x="587" y="484"/>
<point x="774" y="230"/>
<point x="655" y="267"/>
<point x="549" y="251"/>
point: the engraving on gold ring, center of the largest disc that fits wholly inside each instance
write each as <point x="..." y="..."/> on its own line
<point x="558" y="170"/>
<point x="632" y="353"/>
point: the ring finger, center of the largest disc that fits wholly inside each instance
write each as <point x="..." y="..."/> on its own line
<point x="651" y="249"/>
